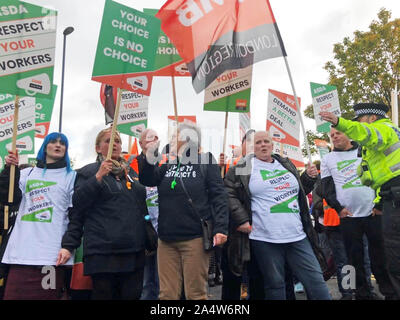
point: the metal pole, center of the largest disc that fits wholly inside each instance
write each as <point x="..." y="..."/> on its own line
<point x="66" y="32"/>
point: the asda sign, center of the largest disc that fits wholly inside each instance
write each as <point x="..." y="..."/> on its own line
<point x="27" y="48"/>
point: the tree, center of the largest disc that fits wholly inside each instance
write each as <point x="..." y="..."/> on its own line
<point x="366" y="68"/>
<point x="311" y="136"/>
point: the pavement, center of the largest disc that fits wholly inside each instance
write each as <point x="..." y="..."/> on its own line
<point x="214" y="293"/>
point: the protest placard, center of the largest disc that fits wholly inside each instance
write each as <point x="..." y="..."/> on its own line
<point x="25" y="126"/>
<point x="168" y="61"/>
<point x="173" y="125"/>
<point x="27" y="48"/>
<point x="325" y="98"/>
<point x="126" y="48"/>
<point x="322" y="147"/>
<point x="230" y="92"/>
<point x="283" y="124"/>
<point x="244" y="124"/>
<point x="132" y="119"/>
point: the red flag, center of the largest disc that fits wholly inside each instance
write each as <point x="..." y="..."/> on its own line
<point x="78" y="280"/>
<point x="213" y="36"/>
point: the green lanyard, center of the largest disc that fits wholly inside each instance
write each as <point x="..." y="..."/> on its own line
<point x="173" y="183"/>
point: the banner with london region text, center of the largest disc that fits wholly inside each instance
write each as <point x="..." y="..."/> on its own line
<point x="214" y="38"/>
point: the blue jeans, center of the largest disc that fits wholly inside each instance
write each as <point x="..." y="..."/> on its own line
<point x="336" y="243"/>
<point x="151" y="285"/>
<point x="271" y="258"/>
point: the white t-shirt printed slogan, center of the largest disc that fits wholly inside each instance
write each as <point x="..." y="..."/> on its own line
<point x="350" y="192"/>
<point x="274" y="204"/>
<point x="186" y="171"/>
<point x="42" y="218"/>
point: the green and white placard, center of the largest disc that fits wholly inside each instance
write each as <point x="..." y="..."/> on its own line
<point x="325" y="98"/>
<point x="230" y="92"/>
<point x="132" y="119"/>
<point x="168" y="61"/>
<point x="25" y="127"/>
<point x="126" y="48"/>
<point x="27" y="48"/>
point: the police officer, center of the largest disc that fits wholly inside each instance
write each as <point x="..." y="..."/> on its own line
<point x="380" y="169"/>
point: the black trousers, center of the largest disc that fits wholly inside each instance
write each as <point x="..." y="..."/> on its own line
<point x="353" y="230"/>
<point x="391" y="234"/>
<point x="231" y="283"/>
<point x="118" y="286"/>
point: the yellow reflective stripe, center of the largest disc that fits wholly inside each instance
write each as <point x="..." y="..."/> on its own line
<point x="380" y="139"/>
<point x="392" y="149"/>
<point x="368" y="135"/>
<point x="395" y="167"/>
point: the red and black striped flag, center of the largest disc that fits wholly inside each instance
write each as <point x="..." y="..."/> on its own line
<point x="213" y="36"/>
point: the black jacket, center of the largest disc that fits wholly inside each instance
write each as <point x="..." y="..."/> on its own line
<point x="111" y="215"/>
<point x="13" y="211"/>
<point x="4" y="184"/>
<point x="177" y="220"/>
<point x="237" y="184"/>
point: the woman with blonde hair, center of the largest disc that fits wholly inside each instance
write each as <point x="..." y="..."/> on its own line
<point x="110" y="205"/>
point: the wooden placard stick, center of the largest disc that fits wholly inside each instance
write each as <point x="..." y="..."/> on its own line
<point x="114" y="125"/>
<point x="129" y="144"/>
<point x="175" y="107"/>
<point x="223" y="147"/>
<point x="175" y="103"/>
<point x="12" y="168"/>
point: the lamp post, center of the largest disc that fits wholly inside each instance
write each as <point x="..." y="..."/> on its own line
<point x="66" y="32"/>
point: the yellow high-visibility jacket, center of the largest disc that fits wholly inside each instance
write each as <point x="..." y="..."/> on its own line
<point x="380" y="143"/>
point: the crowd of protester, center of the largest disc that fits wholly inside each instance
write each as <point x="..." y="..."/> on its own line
<point x="183" y="222"/>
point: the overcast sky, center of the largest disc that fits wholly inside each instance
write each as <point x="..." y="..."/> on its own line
<point x="309" y="30"/>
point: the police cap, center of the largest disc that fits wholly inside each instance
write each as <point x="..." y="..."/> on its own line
<point x="362" y="109"/>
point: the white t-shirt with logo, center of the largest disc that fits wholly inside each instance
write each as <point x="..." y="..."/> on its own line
<point x="42" y="217"/>
<point x="274" y="204"/>
<point x="350" y="192"/>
